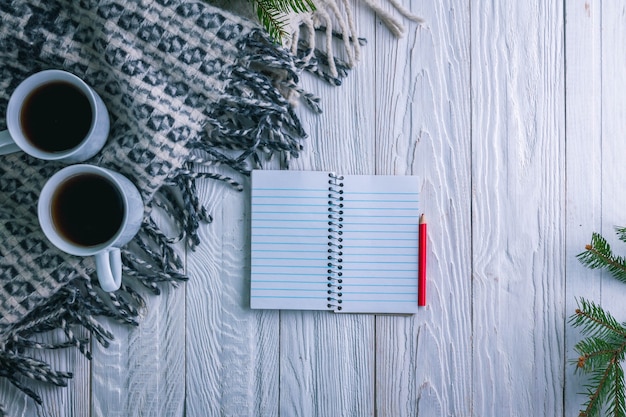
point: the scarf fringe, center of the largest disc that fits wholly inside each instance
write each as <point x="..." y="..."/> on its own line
<point x="334" y="19"/>
<point x="151" y="262"/>
<point x="74" y="305"/>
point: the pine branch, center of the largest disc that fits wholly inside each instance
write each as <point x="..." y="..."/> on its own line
<point x="602" y="384"/>
<point x="621" y="233"/>
<point x="272" y="19"/>
<point x="272" y="14"/>
<point x="597" y="323"/>
<point x="617" y="403"/>
<point x="600" y="355"/>
<point x="598" y="255"/>
<point x="298" y="6"/>
<point x="594" y="354"/>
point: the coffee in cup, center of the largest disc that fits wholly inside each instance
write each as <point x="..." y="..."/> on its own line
<point x="54" y="115"/>
<point x="86" y="210"/>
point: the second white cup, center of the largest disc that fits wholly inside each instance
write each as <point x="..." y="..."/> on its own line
<point x="86" y="210"/>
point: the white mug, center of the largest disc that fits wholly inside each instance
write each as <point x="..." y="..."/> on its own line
<point x="54" y="115"/>
<point x="86" y="210"/>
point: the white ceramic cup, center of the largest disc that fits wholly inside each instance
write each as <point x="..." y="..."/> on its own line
<point x="55" y="202"/>
<point x="16" y="137"/>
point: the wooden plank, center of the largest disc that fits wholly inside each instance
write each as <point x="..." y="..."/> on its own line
<point x="75" y="398"/>
<point x="518" y="207"/>
<point x="584" y="170"/>
<point x="596" y="122"/>
<point x="613" y="125"/>
<point x="142" y="371"/>
<point x="57" y="401"/>
<point x="326" y="359"/>
<point x="613" y="168"/>
<point x="232" y="351"/>
<point x="423" y="128"/>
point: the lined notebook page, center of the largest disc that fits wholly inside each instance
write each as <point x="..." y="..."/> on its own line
<point x="380" y="244"/>
<point x="289" y="240"/>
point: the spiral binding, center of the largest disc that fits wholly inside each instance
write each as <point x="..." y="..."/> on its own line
<point x="335" y="241"/>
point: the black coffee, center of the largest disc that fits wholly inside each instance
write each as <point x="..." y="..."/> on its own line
<point x="56" y="116"/>
<point x="87" y="209"/>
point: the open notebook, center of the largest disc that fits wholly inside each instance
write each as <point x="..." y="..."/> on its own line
<point x="345" y="243"/>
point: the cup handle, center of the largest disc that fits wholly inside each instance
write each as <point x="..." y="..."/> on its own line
<point x="7" y="145"/>
<point x="109" y="269"/>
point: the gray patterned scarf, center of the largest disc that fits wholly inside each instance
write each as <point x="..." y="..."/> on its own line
<point x="186" y="85"/>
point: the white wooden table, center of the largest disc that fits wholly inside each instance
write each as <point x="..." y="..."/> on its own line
<point x="513" y="113"/>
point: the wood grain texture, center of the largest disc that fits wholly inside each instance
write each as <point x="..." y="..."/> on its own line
<point x="58" y="401"/>
<point x="142" y="371"/>
<point x="518" y="202"/>
<point x="423" y="128"/>
<point x="584" y="170"/>
<point x="326" y="359"/>
<point x="232" y="351"/>
<point x="596" y="112"/>
<point x="613" y="126"/>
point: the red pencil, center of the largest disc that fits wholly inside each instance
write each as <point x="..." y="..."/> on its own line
<point x="421" y="279"/>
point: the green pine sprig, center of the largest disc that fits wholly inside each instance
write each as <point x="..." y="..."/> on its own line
<point x="603" y="349"/>
<point x="272" y="14"/>
<point x="600" y="356"/>
<point x="599" y="255"/>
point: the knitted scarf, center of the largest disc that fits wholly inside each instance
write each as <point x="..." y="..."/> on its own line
<point x="187" y="85"/>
